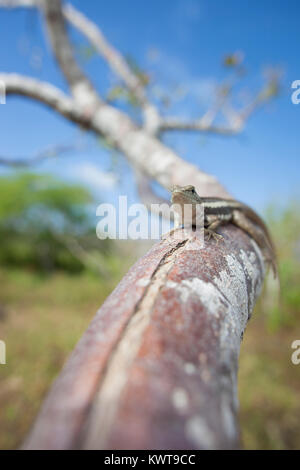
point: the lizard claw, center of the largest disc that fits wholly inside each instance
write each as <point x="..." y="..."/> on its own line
<point x="210" y="233"/>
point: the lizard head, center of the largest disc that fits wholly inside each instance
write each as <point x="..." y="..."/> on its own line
<point x="185" y="195"/>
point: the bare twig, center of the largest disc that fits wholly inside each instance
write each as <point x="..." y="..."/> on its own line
<point x="51" y="152"/>
<point x="236" y="119"/>
<point x="198" y="125"/>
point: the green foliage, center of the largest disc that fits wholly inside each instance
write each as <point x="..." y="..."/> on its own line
<point x="137" y="70"/>
<point x="285" y="228"/>
<point x="37" y="214"/>
<point x="120" y="92"/>
<point x="233" y="60"/>
<point x="85" y="52"/>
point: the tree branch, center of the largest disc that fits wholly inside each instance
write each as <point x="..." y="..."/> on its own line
<point x="45" y="93"/>
<point x="149" y="155"/>
<point x="143" y="150"/>
<point x="161" y="372"/>
<point x="19" y="3"/>
<point x="237" y="119"/>
<point x="116" y="61"/>
<point x="198" y="125"/>
<point x="82" y="89"/>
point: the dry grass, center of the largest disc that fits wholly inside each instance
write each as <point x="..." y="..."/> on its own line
<point x="42" y="319"/>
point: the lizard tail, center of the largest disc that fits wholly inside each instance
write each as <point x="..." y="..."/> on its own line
<point x="254" y="217"/>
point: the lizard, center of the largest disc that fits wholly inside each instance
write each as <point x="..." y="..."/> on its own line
<point x="219" y="211"/>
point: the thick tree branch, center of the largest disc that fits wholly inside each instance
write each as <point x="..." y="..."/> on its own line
<point x="149" y="155"/>
<point x="161" y="372"/>
<point x="45" y="93"/>
<point x="19" y="3"/>
<point x="143" y="150"/>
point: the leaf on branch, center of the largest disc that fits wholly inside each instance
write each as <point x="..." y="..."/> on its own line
<point x="272" y="87"/>
<point x="136" y="69"/>
<point x="233" y="60"/>
<point x="85" y="51"/>
<point x="106" y="143"/>
<point x="115" y="93"/>
<point x="120" y="92"/>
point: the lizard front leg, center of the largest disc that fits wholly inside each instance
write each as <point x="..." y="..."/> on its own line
<point x="214" y="222"/>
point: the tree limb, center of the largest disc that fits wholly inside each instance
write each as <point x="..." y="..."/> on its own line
<point x="161" y="372"/>
<point x="19" y="3"/>
<point x="148" y="154"/>
<point x="116" y="62"/>
<point x="143" y="150"/>
<point x="199" y="125"/>
<point x="236" y="119"/>
<point x="45" y="93"/>
<point x="81" y="87"/>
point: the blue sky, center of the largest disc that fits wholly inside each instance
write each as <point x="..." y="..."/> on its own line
<point x="180" y="42"/>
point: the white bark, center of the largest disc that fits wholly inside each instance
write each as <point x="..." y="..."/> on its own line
<point x="44" y="92"/>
